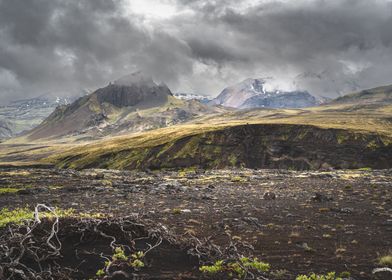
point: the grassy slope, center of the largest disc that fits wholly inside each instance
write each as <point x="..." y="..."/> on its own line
<point x="327" y="117"/>
<point x="370" y="96"/>
<point x="363" y="119"/>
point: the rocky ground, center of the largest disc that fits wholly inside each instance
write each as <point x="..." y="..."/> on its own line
<point x="298" y="222"/>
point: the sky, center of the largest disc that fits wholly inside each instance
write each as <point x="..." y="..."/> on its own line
<point x="65" y="47"/>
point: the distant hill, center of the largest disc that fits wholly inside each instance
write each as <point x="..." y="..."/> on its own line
<point x="19" y="116"/>
<point x="252" y="93"/>
<point x="42" y="101"/>
<point x="379" y="95"/>
<point x="130" y="104"/>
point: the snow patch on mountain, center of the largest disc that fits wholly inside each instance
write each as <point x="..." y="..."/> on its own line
<point x="191" y="96"/>
<point x="256" y="93"/>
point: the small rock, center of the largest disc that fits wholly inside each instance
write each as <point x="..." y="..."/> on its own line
<point x="289" y="215"/>
<point x="99" y="189"/>
<point x="269" y="196"/>
<point x="318" y="197"/>
<point x="25" y="192"/>
<point x="304" y="246"/>
<point x="70" y="189"/>
<point x="252" y="221"/>
<point x="99" y="176"/>
<point x="347" y="210"/>
<point x="40" y="190"/>
<point x="387" y="222"/>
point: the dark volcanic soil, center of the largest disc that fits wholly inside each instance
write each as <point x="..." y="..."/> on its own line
<point x="296" y="221"/>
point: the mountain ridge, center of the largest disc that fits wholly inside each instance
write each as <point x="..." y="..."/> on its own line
<point x="253" y="93"/>
<point x="381" y="94"/>
<point x="130" y="104"/>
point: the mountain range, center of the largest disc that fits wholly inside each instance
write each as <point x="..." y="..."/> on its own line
<point x="135" y="103"/>
<point x="135" y="123"/>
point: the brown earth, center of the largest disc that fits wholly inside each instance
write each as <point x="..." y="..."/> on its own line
<point x="297" y="221"/>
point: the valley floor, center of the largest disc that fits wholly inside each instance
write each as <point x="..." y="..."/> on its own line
<point x="297" y="221"/>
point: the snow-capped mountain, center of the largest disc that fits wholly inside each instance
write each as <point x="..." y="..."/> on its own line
<point x="254" y="93"/>
<point x="234" y="96"/>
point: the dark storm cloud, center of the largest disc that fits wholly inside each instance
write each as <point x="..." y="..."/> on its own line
<point x="64" y="46"/>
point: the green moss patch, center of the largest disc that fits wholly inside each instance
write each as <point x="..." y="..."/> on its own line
<point x="19" y="216"/>
<point x="8" y="190"/>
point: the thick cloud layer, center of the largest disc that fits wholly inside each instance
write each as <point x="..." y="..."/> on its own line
<point x="65" y="46"/>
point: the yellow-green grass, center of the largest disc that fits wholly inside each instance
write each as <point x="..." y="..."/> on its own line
<point x="12" y="190"/>
<point x="16" y="216"/>
<point x="362" y="119"/>
<point x="355" y="122"/>
<point x="29" y="154"/>
<point x="8" y="190"/>
<point x="19" y="216"/>
<point x="385" y="260"/>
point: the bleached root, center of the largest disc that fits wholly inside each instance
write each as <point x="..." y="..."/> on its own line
<point x="33" y="250"/>
<point x="23" y="244"/>
<point x="382" y="269"/>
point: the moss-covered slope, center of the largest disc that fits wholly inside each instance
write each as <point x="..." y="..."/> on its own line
<point x="252" y="146"/>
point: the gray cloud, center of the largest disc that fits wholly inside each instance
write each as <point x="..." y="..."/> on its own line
<point x="327" y="47"/>
<point x="346" y="44"/>
<point x="66" y="46"/>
